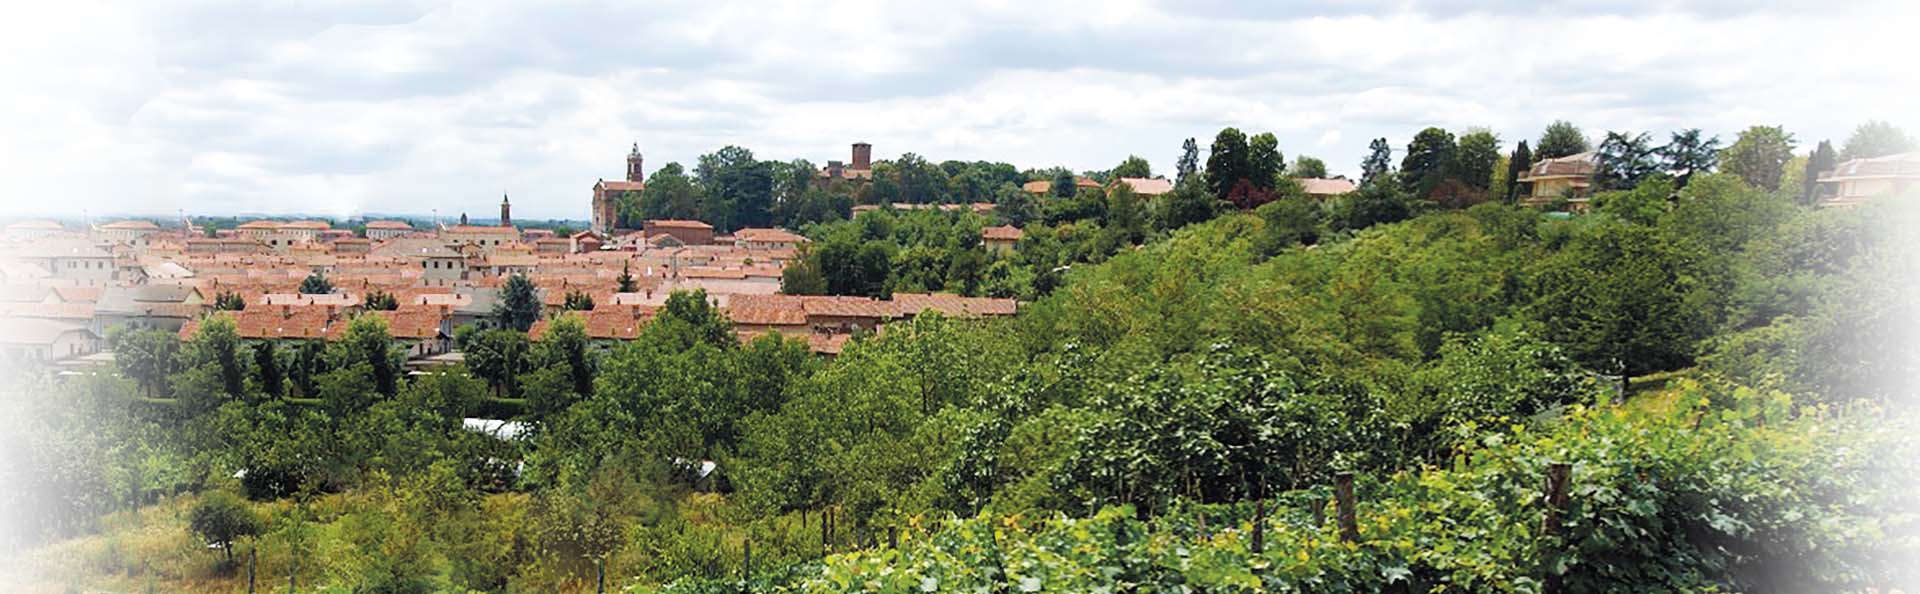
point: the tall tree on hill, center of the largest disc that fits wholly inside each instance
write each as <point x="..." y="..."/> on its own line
<point x="1822" y="160"/>
<point x="1875" y="139"/>
<point x="1560" y="139"/>
<point x="1063" y="184"/>
<point x="1759" y="156"/>
<point x="920" y="182"/>
<point x="1379" y="162"/>
<point x="740" y="184"/>
<point x="1625" y="160"/>
<point x="1430" y="159"/>
<point x="316" y="284"/>
<point x="1307" y="168"/>
<point x="1189" y="162"/>
<point x="519" y="304"/>
<point x="1228" y="162"/>
<point x="1264" y="161"/>
<point x="1133" y="166"/>
<point x="670" y="194"/>
<point x="1474" y="162"/>
<point x="1687" y="153"/>
<point x="1517" y="166"/>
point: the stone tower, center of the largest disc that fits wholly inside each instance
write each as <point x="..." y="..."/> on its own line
<point x="634" y="173"/>
<point x="862" y="156"/>
<point x="506" y="211"/>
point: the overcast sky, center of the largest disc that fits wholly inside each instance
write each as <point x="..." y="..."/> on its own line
<point x="397" y="106"/>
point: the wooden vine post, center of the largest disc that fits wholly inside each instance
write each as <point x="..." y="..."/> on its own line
<point x="746" y="565"/>
<point x="1343" y="497"/>
<point x="1558" y="475"/>
<point x="1259" y="526"/>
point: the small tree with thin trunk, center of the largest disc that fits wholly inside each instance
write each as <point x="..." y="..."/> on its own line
<point x="222" y="518"/>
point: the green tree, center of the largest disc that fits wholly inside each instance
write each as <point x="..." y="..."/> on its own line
<point x="566" y="341"/>
<point x="1560" y="139"/>
<point x="519" y="304"/>
<point x="1133" y="166"/>
<point x="1625" y="160"/>
<point x="1379" y="162"/>
<point x="1479" y="151"/>
<point x="1287" y="222"/>
<point x="1686" y="153"/>
<point x="577" y="300"/>
<point x="496" y="356"/>
<point x="1821" y="161"/>
<point x="367" y="341"/>
<point x="1185" y="205"/>
<point x="1430" y="159"/>
<point x="1371" y="204"/>
<point x="144" y="355"/>
<point x="671" y="194"/>
<point x="1228" y="162"/>
<point x="1308" y="168"/>
<point x="1620" y="299"/>
<point x="1875" y="138"/>
<point x="742" y="185"/>
<point x="266" y="363"/>
<point x="1759" y="156"/>
<point x="920" y="182"/>
<point x="1265" y="163"/>
<point x="1189" y="163"/>
<point x="216" y="346"/>
<point x="1063" y="185"/>
<point x="1517" y="167"/>
<point x="316" y="284"/>
<point x="229" y="301"/>
<point x="625" y="281"/>
<point x="221" y="518"/>
<point x="379" y="300"/>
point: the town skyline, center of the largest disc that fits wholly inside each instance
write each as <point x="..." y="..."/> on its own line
<point x="340" y="110"/>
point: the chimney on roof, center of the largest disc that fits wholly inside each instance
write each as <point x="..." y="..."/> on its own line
<point x="862" y="156"/>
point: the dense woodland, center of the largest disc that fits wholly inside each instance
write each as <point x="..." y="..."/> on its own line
<point x="1725" y="368"/>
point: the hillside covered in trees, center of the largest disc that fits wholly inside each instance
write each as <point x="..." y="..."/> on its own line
<point x="1722" y="369"/>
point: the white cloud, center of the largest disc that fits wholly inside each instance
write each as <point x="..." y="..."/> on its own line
<point x="342" y="107"/>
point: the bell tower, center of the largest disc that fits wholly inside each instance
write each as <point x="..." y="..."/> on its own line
<point x="506" y="211"/>
<point x="634" y="173"/>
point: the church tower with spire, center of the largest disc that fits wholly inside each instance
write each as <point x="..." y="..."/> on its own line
<point x="606" y="194"/>
<point x="506" y="211"/>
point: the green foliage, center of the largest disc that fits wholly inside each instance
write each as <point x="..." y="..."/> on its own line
<point x="1478" y="153"/>
<point x="1517" y="165"/>
<point x="229" y="301"/>
<point x="145" y="355"/>
<point x="315" y="284"/>
<point x="1133" y="166"/>
<point x="579" y="301"/>
<point x="1430" y="158"/>
<point x="519" y="304"/>
<point x="1876" y="138"/>
<point x="379" y="300"/>
<point x="1759" y="156"/>
<point x="221" y="519"/>
<point x="1625" y="160"/>
<point x="1687" y="154"/>
<point x="496" y="356"/>
<point x="1307" y="167"/>
<point x="1560" y="139"/>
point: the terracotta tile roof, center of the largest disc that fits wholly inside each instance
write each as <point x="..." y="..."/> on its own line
<point x="1002" y="233"/>
<point x="619" y="185"/>
<point x="259" y="225"/>
<point x="389" y="225"/>
<point x="482" y="229"/>
<point x="49" y="311"/>
<point x="676" y="224"/>
<point x="414" y="323"/>
<point x="954" y="305"/>
<point x="1148" y="186"/>
<point x="769" y="236"/>
<point x="131" y="225"/>
<point x="79" y="294"/>
<point x="1314" y="186"/>
<point x="605" y="322"/>
<point x="1576" y="165"/>
<point x="849" y="307"/>
<point x="767" y="310"/>
<point x="1896" y="165"/>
